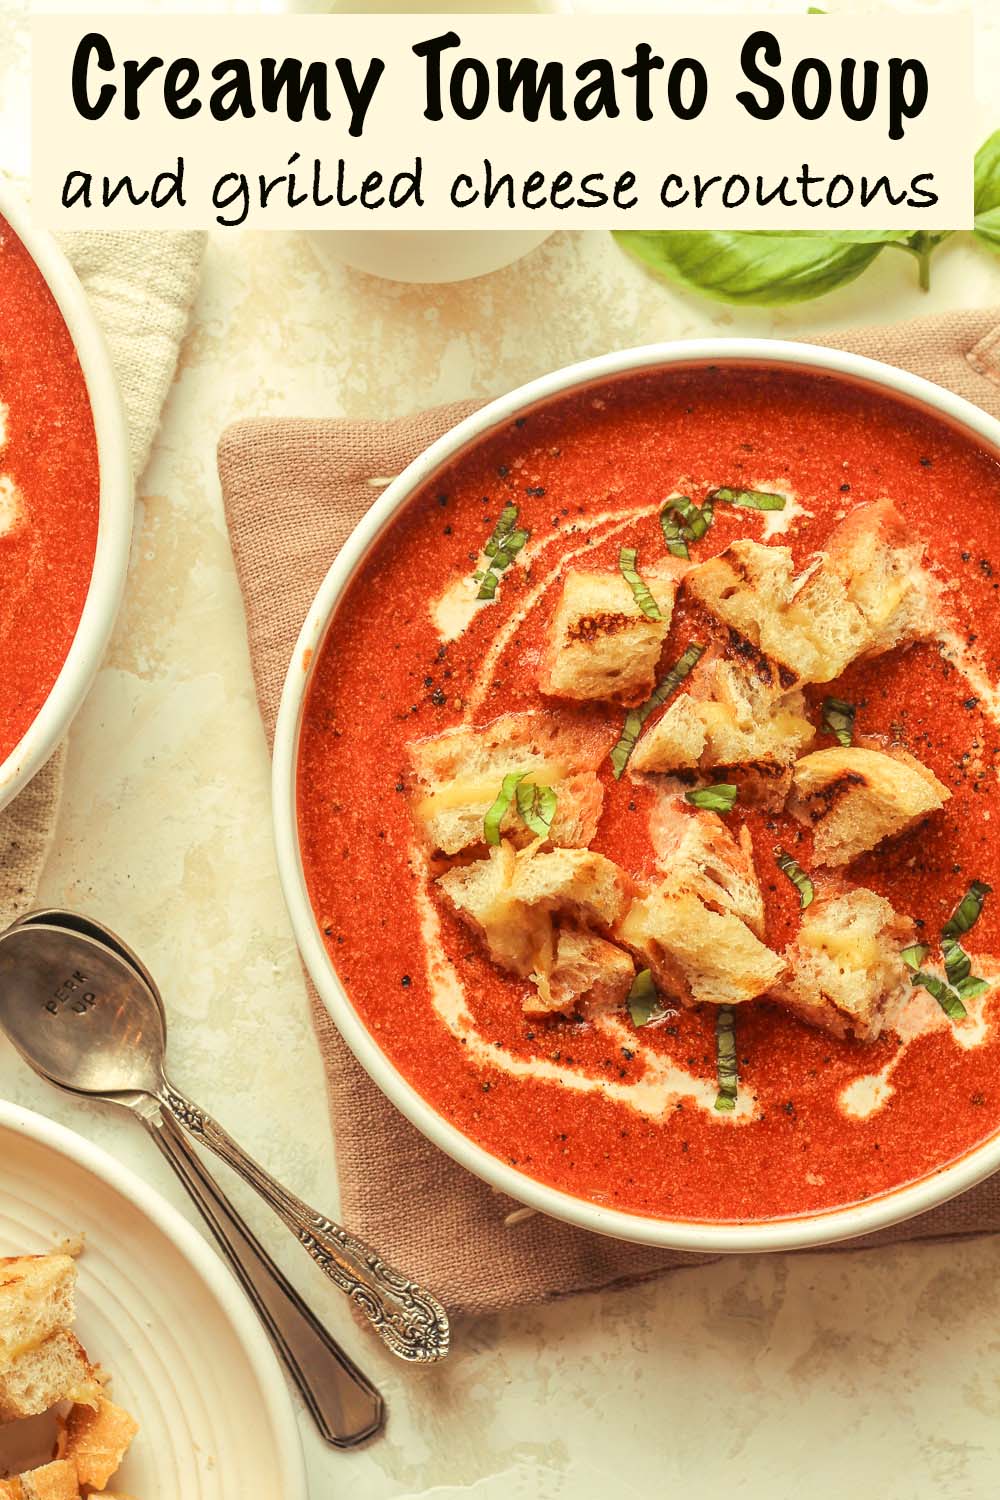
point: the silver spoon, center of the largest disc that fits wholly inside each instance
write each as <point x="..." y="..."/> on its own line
<point x="84" y="1012"/>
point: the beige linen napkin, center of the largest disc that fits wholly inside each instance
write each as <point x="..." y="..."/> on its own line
<point x="141" y="286"/>
<point x="293" y="491"/>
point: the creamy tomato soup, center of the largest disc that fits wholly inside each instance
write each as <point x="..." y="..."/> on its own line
<point x="48" y="491"/>
<point x="621" y="1114"/>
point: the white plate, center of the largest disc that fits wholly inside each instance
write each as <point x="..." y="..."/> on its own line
<point x="158" y="1309"/>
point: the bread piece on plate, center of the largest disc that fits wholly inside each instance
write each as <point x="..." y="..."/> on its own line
<point x="600" y="643"/>
<point x="55" y="1481"/>
<point x="698" y="954"/>
<point x="853" y="798"/>
<point x="36" y="1298"/>
<point x="97" y="1439"/>
<point x="588" y="974"/>
<point x="696" y="850"/>
<point x="459" y="774"/>
<point x="57" y="1370"/>
<point x="845" y="972"/>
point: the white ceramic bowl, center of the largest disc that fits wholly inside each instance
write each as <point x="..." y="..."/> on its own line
<point x="114" y="530"/>
<point x="778" y="1234"/>
<point x="157" y="1307"/>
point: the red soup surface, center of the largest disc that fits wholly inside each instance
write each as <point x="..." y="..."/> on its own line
<point x="578" y="1105"/>
<point x="48" y="491"/>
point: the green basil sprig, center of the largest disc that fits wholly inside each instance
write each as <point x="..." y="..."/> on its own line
<point x="959" y="983"/>
<point x="726" y="1068"/>
<point x="643" y="1001"/>
<point x="720" y="797"/>
<point x="641" y="592"/>
<point x="535" y="804"/>
<point x="501" y="549"/>
<point x="769" y="267"/>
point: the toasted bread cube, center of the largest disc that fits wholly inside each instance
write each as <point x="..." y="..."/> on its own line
<point x="735" y="715"/>
<point x="574" y="882"/>
<point x="54" y="1481"/>
<point x="696" y="954"/>
<point x="601" y="645"/>
<point x="845" y="972"/>
<point x="588" y="974"/>
<point x="11" y="1489"/>
<point x="57" y="1370"/>
<point x="97" y="1440"/>
<point x="697" y="852"/>
<point x="853" y="798"/>
<point x="36" y="1298"/>
<point x="482" y="893"/>
<point x="459" y="774"/>
<point x="881" y="563"/>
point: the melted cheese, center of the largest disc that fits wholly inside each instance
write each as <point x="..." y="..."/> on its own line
<point x="477" y="792"/>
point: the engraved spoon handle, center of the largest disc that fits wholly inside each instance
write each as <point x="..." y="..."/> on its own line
<point x="411" y="1322"/>
<point x="347" y="1409"/>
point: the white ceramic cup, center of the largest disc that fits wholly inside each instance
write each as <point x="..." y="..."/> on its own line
<point x="717" y="1236"/>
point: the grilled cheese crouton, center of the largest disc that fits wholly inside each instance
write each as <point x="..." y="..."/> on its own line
<point x="853" y="798"/>
<point x="865" y="594"/>
<point x="698" y="954"/>
<point x="56" y="1370"/>
<point x="97" y="1440"/>
<point x="600" y="643"/>
<point x="526" y="906"/>
<point x="734" y="715"/>
<point x="459" y="774"/>
<point x="588" y="973"/>
<point x="845" y="971"/>
<point x="55" y="1481"/>
<point x="36" y="1298"/>
<point x="698" y="853"/>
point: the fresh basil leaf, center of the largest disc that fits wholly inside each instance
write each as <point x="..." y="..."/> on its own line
<point x="943" y="994"/>
<point x="957" y="963"/>
<point x="971" y="987"/>
<point x="838" y="720"/>
<point x="643" y="1001"/>
<point x="495" y="815"/>
<point x="720" y="798"/>
<point x="966" y="913"/>
<point x="748" y="499"/>
<point x="636" y="717"/>
<point x="914" y="956"/>
<point x="682" y="521"/>
<point x="504" y="544"/>
<point x="537" y="807"/>
<point x="640" y="588"/>
<point x="755" y="267"/>
<point x="790" y="867"/>
<point x="987" y="194"/>
<point x="725" y="1058"/>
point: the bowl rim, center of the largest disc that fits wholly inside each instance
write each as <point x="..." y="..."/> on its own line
<point x="114" y="527"/>
<point x="720" y="1236"/>
<point x="207" y="1265"/>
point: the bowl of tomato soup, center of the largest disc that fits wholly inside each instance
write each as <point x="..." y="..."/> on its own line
<point x="65" y="496"/>
<point x="617" y="1126"/>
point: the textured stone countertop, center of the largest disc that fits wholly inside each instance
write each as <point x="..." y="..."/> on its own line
<point x="877" y="1374"/>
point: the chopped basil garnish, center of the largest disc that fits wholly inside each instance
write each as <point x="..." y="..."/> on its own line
<point x="640" y="589"/>
<point x="682" y="521"/>
<point x="719" y="798"/>
<point x="959" y="983"/>
<point x="914" y="956"/>
<point x="725" y="1058"/>
<point x="945" y="996"/>
<point x="643" y="1002"/>
<point x="636" y="717"/>
<point x="838" y="720"/>
<point x="537" y="806"/>
<point x="966" y="913"/>
<point x="501" y="549"/>
<point x="748" y="499"/>
<point x="788" y="866"/>
<point x="495" y="816"/>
